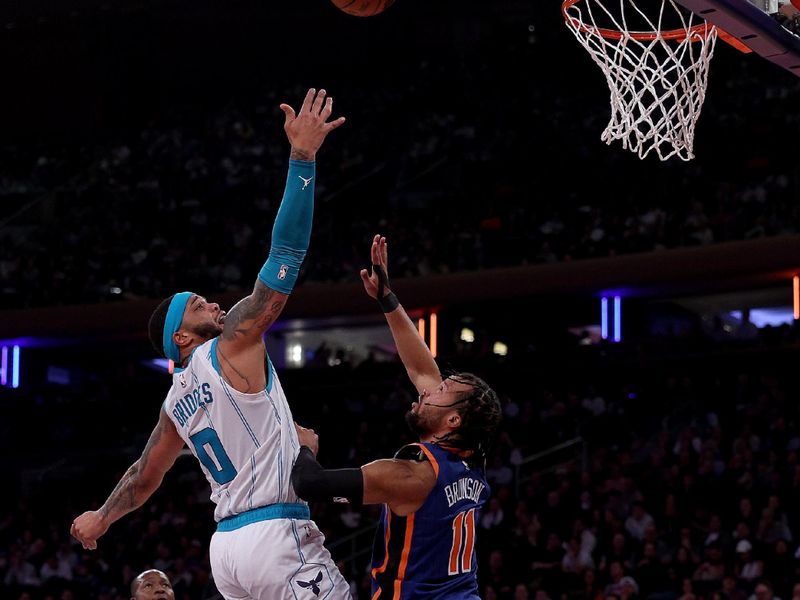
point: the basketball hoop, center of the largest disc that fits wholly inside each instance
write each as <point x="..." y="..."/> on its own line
<point x="657" y="76"/>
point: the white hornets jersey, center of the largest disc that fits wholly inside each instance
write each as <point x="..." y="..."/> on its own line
<point x="246" y="443"/>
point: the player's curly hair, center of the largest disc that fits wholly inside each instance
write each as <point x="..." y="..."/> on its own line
<point x="155" y="327"/>
<point x="480" y="415"/>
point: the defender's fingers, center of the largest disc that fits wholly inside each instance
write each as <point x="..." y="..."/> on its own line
<point x="307" y="101"/>
<point x="335" y="124"/>
<point x="384" y="253"/>
<point x="327" y="109"/>
<point x="289" y="112"/>
<point x="375" y="239"/>
<point x="365" y="277"/>
<point x="317" y="106"/>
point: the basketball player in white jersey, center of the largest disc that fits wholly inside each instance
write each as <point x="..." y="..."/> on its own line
<point x="226" y="404"/>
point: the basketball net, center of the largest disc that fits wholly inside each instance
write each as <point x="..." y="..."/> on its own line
<point x="657" y="78"/>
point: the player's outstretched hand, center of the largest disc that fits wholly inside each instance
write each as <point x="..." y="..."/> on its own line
<point x="308" y="438"/>
<point x="88" y="528"/>
<point x="380" y="261"/>
<point x="308" y="128"/>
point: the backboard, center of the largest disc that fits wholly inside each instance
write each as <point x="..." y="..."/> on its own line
<point x="755" y="24"/>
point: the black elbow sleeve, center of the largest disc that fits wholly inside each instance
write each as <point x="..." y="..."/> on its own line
<point x="305" y="473"/>
<point x="314" y="484"/>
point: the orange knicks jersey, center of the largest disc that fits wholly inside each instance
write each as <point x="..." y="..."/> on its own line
<point x="431" y="552"/>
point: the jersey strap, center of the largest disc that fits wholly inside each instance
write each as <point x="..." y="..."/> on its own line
<point x="418" y="452"/>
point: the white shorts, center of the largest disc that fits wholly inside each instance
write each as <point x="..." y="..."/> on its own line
<point x="278" y="559"/>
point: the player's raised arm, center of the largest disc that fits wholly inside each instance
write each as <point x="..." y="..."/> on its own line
<point x="137" y="484"/>
<point x="252" y="316"/>
<point x="417" y="359"/>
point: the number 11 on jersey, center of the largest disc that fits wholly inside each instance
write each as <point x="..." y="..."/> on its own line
<point x="463" y="543"/>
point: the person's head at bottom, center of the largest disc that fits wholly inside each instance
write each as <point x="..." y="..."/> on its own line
<point x="462" y="413"/>
<point x="151" y="585"/>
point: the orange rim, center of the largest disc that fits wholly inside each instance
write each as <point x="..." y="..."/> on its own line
<point x="698" y="32"/>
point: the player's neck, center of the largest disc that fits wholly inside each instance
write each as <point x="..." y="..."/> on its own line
<point x="186" y="353"/>
<point x="436" y="437"/>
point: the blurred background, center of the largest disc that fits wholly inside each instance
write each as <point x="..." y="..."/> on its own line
<point x="639" y="319"/>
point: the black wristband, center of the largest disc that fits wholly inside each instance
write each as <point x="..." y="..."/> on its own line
<point x="389" y="302"/>
<point x="313" y="483"/>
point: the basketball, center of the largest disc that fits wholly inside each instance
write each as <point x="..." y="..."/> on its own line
<point x="363" y="8"/>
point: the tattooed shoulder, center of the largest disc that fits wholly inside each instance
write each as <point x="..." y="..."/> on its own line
<point x="255" y="313"/>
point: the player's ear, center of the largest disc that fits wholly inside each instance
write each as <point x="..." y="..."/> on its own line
<point x="454" y="420"/>
<point x="181" y="338"/>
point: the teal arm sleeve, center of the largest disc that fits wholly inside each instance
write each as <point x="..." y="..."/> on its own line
<point x="291" y="233"/>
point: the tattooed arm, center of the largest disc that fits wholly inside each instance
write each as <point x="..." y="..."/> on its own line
<point x="252" y="316"/>
<point x="240" y="349"/>
<point x="137" y="484"/>
<point x="291" y="233"/>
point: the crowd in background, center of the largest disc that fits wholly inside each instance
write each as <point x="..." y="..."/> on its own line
<point x="189" y="198"/>
<point x="678" y="483"/>
<point x="675" y="482"/>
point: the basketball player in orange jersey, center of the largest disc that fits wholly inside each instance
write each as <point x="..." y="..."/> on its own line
<point x="227" y="405"/>
<point x="432" y="491"/>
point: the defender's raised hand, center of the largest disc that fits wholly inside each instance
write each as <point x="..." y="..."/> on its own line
<point x="376" y="283"/>
<point x="307" y="129"/>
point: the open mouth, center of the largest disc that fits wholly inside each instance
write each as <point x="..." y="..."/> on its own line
<point x="221" y="319"/>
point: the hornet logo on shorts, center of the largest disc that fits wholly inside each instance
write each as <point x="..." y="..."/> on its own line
<point x="313" y="584"/>
<point x="282" y="272"/>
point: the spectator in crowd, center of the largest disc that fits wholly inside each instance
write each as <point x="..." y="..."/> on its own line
<point x="748" y="569"/>
<point x="763" y="591"/>
<point x="638" y="522"/>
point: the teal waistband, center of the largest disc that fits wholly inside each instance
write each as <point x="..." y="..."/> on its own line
<point x="264" y="513"/>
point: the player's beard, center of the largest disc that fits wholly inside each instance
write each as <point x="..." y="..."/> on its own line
<point x="415" y="423"/>
<point x="208" y="330"/>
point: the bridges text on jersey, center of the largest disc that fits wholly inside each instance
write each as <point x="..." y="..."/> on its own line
<point x="187" y="405"/>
